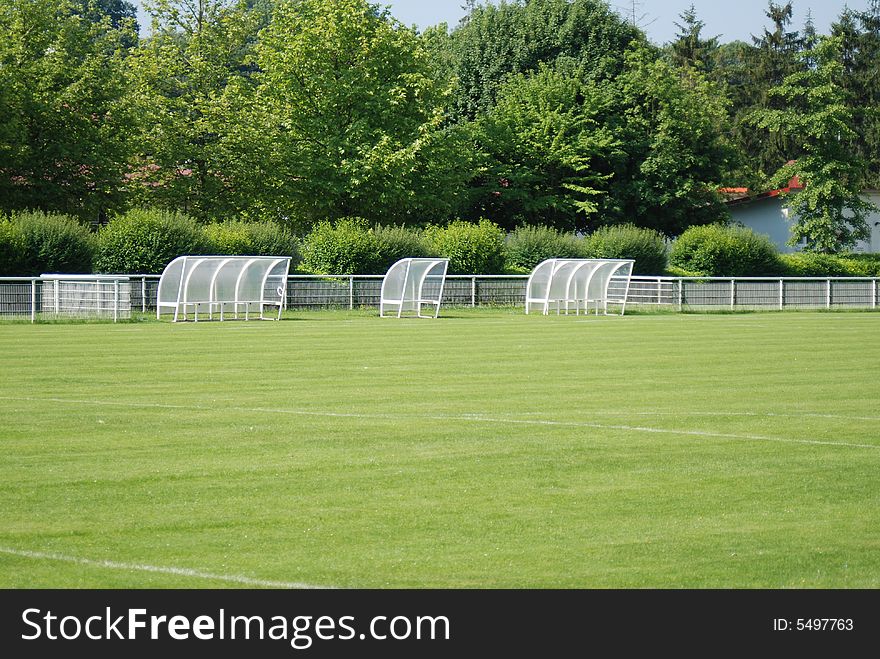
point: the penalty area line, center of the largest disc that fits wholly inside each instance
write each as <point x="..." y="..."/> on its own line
<point x="176" y="571"/>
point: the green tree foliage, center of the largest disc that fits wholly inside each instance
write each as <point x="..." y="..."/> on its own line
<point x="829" y="213"/>
<point x="672" y="126"/>
<point x="565" y="150"/>
<point x="352" y="116"/>
<point x="859" y="35"/>
<point x="689" y="48"/>
<point x="497" y="40"/>
<point x="144" y="241"/>
<point x="64" y="121"/>
<point x="197" y="49"/>
<point x="724" y="251"/>
<point x="546" y="141"/>
<point x="749" y="71"/>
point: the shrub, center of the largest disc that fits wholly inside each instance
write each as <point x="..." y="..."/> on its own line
<point x="46" y="243"/>
<point x="397" y="242"/>
<point x="809" y="264"/>
<point x="473" y="249"/>
<point x="347" y="247"/>
<point x="145" y="241"/>
<point x="526" y="246"/>
<point x="716" y="250"/>
<point x="237" y="238"/>
<point x="864" y="265"/>
<point x="627" y="241"/>
<point x="11" y="250"/>
<point x="675" y="271"/>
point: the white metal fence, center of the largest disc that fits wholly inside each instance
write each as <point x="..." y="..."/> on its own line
<point x="65" y="296"/>
<point x="115" y="297"/>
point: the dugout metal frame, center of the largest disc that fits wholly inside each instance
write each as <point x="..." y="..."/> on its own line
<point x="578" y="283"/>
<point x="223" y="284"/>
<point x="404" y="286"/>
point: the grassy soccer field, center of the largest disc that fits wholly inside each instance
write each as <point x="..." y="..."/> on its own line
<point x="483" y="449"/>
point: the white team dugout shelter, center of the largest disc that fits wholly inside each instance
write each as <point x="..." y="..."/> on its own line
<point x="223" y="284"/>
<point x="411" y="283"/>
<point x="579" y="284"/>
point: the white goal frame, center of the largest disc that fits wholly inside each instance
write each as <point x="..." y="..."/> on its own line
<point x="404" y="286"/>
<point x="223" y="284"/>
<point x="579" y="284"/>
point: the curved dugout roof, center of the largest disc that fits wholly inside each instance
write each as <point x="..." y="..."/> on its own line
<point x="411" y="283"/>
<point x="219" y="283"/>
<point x="577" y="282"/>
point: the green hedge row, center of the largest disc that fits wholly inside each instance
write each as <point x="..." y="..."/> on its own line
<point x="33" y="243"/>
<point x="144" y="241"/>
<point x="529" y="245"/>
<point x="139" y="242"/>
<point x="731" y="251"/>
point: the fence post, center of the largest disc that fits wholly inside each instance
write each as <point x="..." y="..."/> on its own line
<point x="115" y="300"/>
<point x="473" y="292"/>
<point x="680" y="294"/>
<point x="781" y="294"/>
<point x="143" y="294"/>
<point x="351" y="292"/>
<point x="732" y="294"/>
<point x="659" y="291"/>
<point x="873" y="293"/>
<point x="827" y="293"/>
<point x="33" y="300"/>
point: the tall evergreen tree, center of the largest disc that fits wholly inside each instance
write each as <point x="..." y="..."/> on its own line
<point x="689" y="47"/>
<point x="772" y="56"/>
<point x="859" y="33"/>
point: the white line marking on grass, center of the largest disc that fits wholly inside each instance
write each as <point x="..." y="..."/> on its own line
<point x="435" y="417"/>
<point x="177" y="571"/>
<point x="802" y="415"/>
<point x="670" y="431"/>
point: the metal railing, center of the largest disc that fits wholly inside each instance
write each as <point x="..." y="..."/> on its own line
<point x="65" y="296"/>
<point x="116" y="296"/>
<point x="756" y="293"/>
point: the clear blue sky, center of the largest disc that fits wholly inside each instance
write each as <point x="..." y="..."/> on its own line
<point x="730" y="20"/>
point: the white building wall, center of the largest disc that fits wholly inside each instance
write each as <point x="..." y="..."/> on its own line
<point x="770" y="217"/>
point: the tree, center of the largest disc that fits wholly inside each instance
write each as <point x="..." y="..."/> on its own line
<point x="773" y="58"/>
<point x="350" y="114"/>
<point x="197" y="50"/>
<point x="777" y="50"/>
<point x="829" y="213"/>
<point x="689" y="48"/>
<point x="496" y="41"/>
<point x="859" y="33"/>
<point x="64" y="140"/>
<point x="545" y="142"/>
<point x="675" y="153"/>
<point x="120" y="12"/>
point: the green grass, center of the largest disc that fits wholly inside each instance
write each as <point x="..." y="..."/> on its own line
<point x="483" y="449"/>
